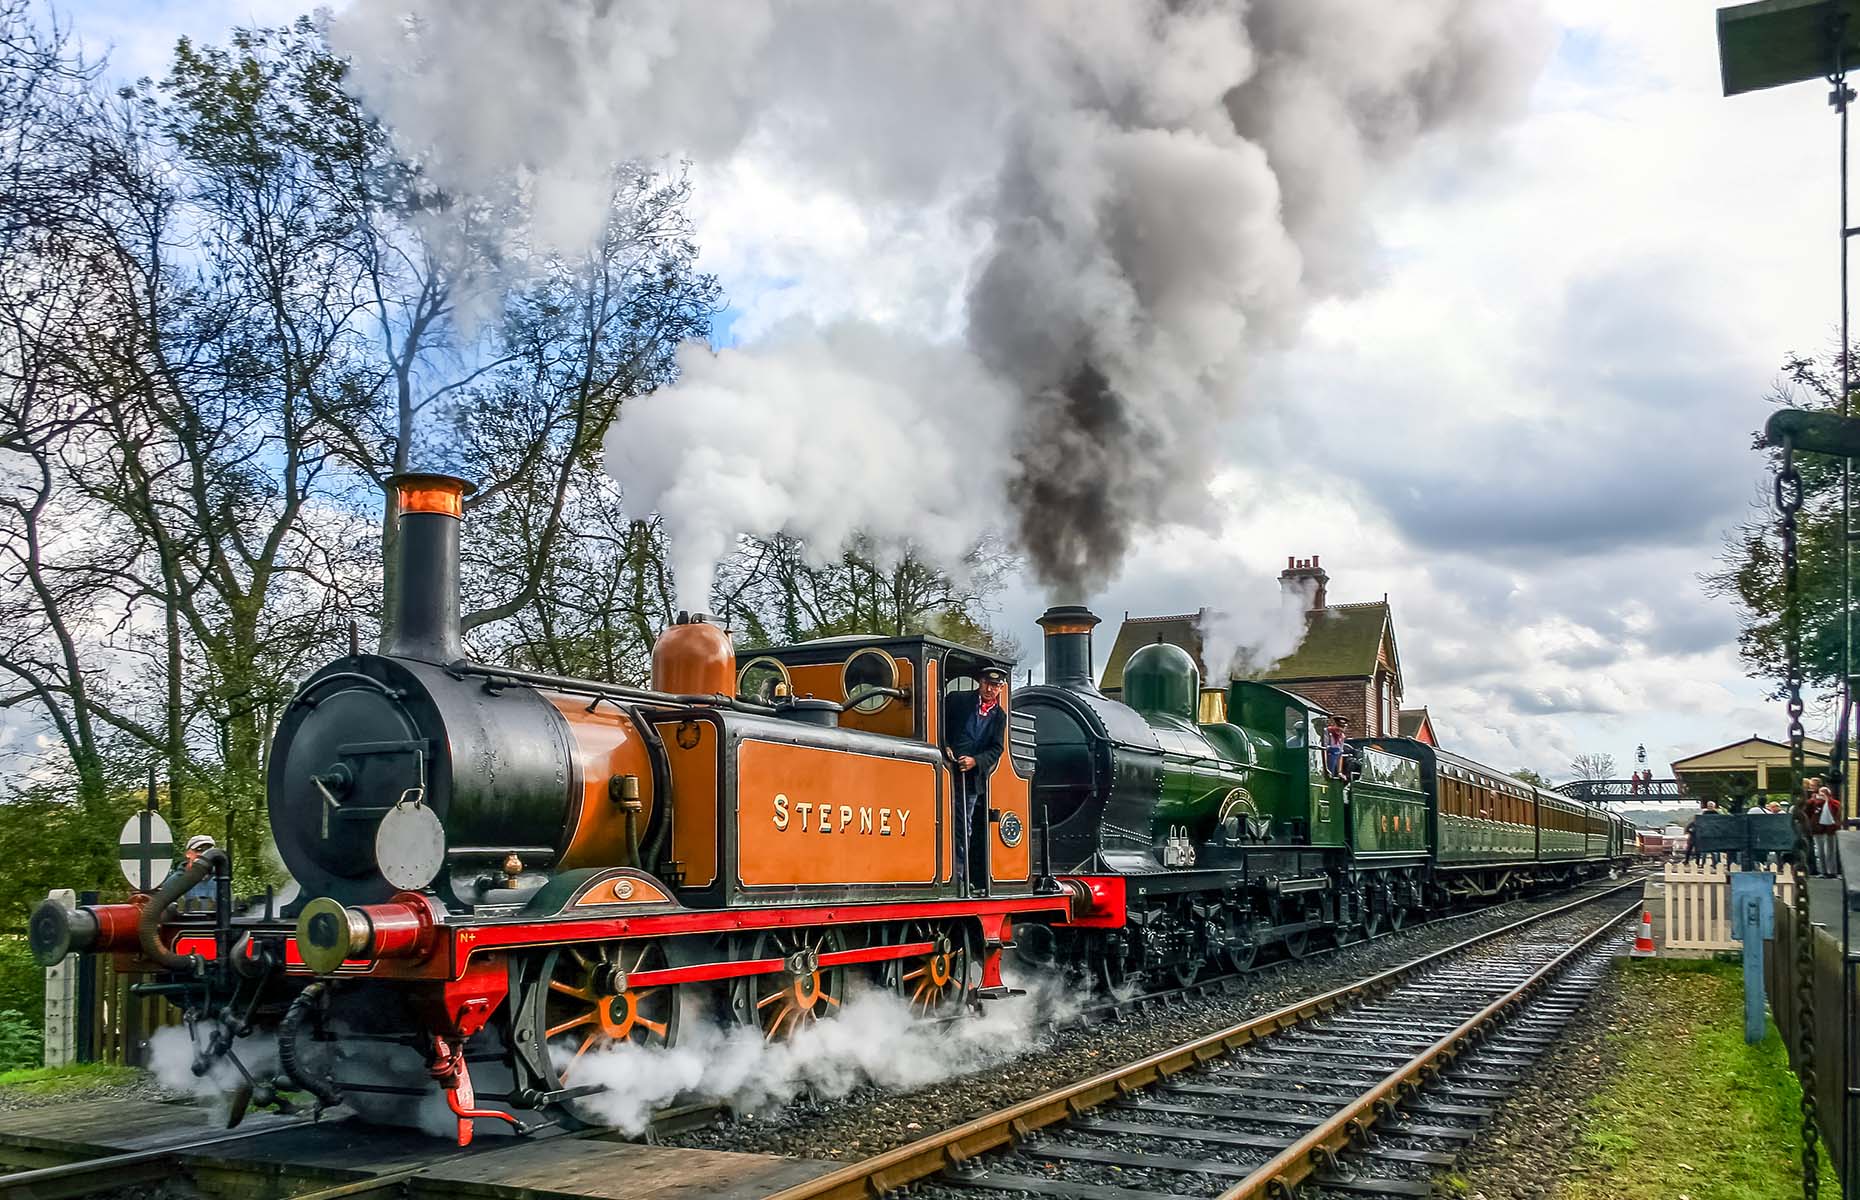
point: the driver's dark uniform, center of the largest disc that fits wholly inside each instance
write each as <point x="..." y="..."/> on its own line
<point x="979" y="735"/>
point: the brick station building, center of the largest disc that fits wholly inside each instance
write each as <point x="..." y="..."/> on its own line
<point x="1346" y="663"/>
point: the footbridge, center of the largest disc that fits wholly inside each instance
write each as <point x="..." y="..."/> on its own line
<point x="1627" y="791"/>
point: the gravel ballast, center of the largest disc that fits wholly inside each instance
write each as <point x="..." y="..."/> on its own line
<point x="868" y="1121"/>
<point x="1527" y="1150"/>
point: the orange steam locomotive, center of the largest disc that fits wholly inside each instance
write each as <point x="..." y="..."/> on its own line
<point x="504" y="871"/>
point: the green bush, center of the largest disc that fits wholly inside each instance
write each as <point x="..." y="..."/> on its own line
<point x="22" y="981"/>
<point x="21" y="1044"/>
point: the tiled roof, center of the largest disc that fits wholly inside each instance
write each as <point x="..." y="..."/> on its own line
<point x="1410" y="721"/>
<point x="1341" y="642"/>
<point x="1182" y="629"/>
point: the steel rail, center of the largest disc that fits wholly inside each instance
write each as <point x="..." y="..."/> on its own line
<point x="1319" y="1148"/>
<point x="119" y="1170"/>
<point x="909" y="1163"/>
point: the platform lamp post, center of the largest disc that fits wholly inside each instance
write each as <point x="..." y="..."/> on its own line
<point x="1763" y="45"/>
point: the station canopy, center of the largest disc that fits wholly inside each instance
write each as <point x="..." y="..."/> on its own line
<point x="1755" y="766"/>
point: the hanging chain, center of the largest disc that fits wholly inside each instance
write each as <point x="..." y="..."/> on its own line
<point x="1789" y="502"/>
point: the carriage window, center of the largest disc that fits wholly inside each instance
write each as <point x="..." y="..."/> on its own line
<point x="1294" y="729"/>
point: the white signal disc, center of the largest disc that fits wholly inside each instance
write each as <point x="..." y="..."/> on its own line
<point x="145" y="850"/>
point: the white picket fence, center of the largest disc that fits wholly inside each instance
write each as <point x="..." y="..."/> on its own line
<point x="1698" y="904"/>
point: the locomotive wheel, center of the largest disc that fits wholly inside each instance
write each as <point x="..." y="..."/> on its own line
<point x="1110" y="966"/>
<point x="784" y="1002"/>
<point x="1297" y="944"/>
<point x="937" y="983"/>
<point x="1398" y="916"/>
<point x="588" y="1008"/>
<point x="1238" y="949"/>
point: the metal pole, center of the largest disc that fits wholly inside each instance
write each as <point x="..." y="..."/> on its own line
<point x="1849" y="1153"/>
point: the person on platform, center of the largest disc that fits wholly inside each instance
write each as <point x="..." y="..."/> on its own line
<point x="1803" y="812"/>
<point x="977" y="725"/>
<point x="1825" y="812"/>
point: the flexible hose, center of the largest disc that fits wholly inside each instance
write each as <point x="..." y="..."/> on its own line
<point x="148" y="926"/>
<point x="326" y="1093"/>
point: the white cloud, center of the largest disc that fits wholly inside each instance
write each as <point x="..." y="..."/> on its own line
<point x="1530" y="429"/>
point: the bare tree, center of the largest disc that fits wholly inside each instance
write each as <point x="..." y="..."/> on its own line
<point x="1593" y="766"/>
<point x="777" y="593"/>
<point x="232" y="333"/>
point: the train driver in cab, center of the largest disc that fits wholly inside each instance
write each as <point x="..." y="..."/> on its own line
<point x="977" y="726"/>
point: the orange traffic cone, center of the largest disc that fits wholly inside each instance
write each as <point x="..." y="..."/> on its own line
<point x="1643" y="945"/>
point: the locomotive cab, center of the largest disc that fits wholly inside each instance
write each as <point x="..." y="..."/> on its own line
<point x="901" y="688"/>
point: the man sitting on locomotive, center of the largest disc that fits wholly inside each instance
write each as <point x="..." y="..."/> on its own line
<point x="977" y="726"/>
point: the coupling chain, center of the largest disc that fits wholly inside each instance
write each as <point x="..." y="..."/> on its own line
<point x="1789" y="494"/>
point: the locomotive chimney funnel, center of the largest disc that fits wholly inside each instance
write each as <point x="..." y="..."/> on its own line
<point x="1068" y="646"/>
<point x="424" y="621"/>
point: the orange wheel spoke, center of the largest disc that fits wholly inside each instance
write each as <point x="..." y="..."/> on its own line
<point x="580" y="993"/>
<point x="586" y="1018"/>
<point x="638" y="996"/>
<point x="771" y="998"/>
<point x="917" y="974"/>
<point x="830" y="1000"/>
<point x="657" y="1027"/>
<point x="581" y="958"/>
<point x="585" y="1043"/>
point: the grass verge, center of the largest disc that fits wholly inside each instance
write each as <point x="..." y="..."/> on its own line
<point x="54" y="1081"/>
<point x="1696" y="1114"/>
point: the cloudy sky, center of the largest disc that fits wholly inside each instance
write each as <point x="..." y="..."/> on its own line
<point x="1530" y="427"/>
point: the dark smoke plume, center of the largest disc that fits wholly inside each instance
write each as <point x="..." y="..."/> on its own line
<point x="1144" y="194"/>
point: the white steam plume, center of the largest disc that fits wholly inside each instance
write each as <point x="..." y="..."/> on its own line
<point x="1152" y="189"/>
<point x="872" y="1039"/>
<point x="171" y="1061"/>
<point x="1239" y="643"/>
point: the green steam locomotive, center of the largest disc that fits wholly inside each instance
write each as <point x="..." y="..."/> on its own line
<point x="1212" y="842"/>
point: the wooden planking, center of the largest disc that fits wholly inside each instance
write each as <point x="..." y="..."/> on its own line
<point x="496" y="1167"/>
<point x="349" y="1146"/>
<point x="96" y="1126"/>
<point x="618" y="1171"/>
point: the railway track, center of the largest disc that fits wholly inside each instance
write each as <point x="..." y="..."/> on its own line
<point x="1392" y="1072"/>
<point x="228" y="1157"/>
<point x="1119" y="1007"/>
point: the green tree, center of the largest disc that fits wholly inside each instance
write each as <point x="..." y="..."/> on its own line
<point x="1531" y="777"/>
<point x="1750" y="569"/>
